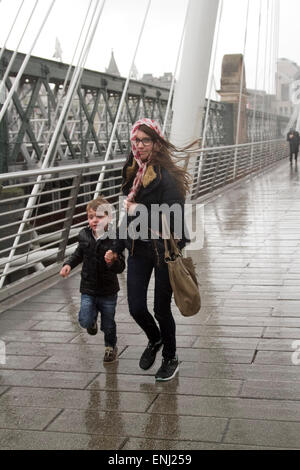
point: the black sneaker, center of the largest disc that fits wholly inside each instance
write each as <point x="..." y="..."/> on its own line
<point x="93" y="330"/>
<point x="149" y="355"/>
<point x="167" y="370"/>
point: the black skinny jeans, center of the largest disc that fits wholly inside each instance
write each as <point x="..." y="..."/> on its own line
<point x="140" y="267"/>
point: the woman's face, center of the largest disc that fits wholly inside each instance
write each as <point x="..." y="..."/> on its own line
<point x="144" y="145"/>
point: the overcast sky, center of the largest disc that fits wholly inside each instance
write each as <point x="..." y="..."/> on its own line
<point x="120" y="24"/>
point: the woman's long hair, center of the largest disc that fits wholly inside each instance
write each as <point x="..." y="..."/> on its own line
<point x="162" y="156"/>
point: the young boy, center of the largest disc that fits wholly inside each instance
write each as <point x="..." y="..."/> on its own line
<point x="99" y="282"/>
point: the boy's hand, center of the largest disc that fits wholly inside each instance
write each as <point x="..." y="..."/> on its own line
<point x="65" y="270"/>
<point x="110" y="257"/>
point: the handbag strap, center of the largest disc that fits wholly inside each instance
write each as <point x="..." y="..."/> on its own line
<point x="166" y="234"/>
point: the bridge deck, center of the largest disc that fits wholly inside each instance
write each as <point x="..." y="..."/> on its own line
<point x="237" y="387"/>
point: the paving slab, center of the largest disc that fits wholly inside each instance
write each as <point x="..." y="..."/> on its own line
<point x="287" y="390"/>
<point x="38" y="336"/>
<point x="52" y="379"/>
<point x="37" y="440"/>
<point x="221" y="342"/>
<point x="2" y="389"/>
<point x="282" y="434"/>
<point x="178" y="386"/>
<point x="269" y="344"/>
<point x="21" y="362"/>
<point x="16" y="417"/>
<point x="162" y="444"/>
<point x="235" y="320"/>
<point x="227" y="407"/>
<point x="140" y="425"/>
<point x="91" y="399"/>
<point x="275" y="357"/>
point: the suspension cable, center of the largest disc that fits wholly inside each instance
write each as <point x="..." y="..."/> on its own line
<point x="271" y="46"/>
<point x="174" y="75"/>
<point x="60" y="99"/>
<point x="8" y="68"/>
<point x="264" y="76"/>
<point x="75" y="83"/>
<point x="24" y="64"/>
<point x="73" y="86"/>
<point x="277" y="34"/>
<point x="107" y="155"/>
<point x="212" y="78"/>
<point x="12" y="27"/>
<point x="240" y="97"/>
<point x="220" y="12"/>
<point x="256" y="83"/>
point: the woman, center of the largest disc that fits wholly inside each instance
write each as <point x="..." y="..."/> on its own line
<point x="151" y="177"/>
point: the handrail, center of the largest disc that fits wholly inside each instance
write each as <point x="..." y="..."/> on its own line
<point x="57" y="169"/>
<point x="79" y="166"/>
<point x="65" y="190"/>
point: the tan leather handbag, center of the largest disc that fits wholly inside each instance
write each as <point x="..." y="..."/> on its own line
<point x="182" y="277"/>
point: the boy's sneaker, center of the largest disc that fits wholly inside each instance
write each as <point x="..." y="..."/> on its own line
<point x="93" y="330"/>
<point x="110" y="354"/>
<point x="149" y="355"/>
<point x="167" y="370"/>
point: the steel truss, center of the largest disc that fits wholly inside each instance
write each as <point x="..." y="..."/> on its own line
<point x="31" y="114"/>
<point x="265" y="126"/>
<point x="91" y="115"/>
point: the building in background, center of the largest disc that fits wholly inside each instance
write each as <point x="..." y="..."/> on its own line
<point x="112" y="68"/>
<point x="287" y="73"/>
<point x="164" y="81"/>
<point x="280" y="103"/>
<point x="261" y="101"/>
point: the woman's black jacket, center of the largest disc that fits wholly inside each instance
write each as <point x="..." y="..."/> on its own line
<point x="158" y="187"/>
<point x="97" y="278"/>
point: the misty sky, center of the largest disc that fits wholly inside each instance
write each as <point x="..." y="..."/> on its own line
<point x="120" y="24"/>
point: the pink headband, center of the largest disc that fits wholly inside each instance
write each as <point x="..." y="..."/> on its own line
<point x="148" y="122"/>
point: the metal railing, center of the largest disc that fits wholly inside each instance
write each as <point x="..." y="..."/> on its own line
<point x="216" y="167"/>
<point x="52" y="219"/>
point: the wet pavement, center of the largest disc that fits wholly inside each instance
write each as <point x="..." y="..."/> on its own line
<point x="239" y="382"/>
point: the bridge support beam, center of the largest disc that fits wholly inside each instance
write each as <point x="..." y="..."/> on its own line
<point x="190" y="89"/>
<point x="3" y="144"/>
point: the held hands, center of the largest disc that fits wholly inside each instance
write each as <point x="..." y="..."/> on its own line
<point x="110" y="257"/>
<point x="65" y="270"/>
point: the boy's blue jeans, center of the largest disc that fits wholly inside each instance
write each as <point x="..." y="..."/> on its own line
<point x="106" y="305"/>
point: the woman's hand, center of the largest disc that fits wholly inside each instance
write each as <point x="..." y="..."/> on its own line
<point x="110" y="257"/>
<point x="130" y="207"/>
<point x="65" y="270"/>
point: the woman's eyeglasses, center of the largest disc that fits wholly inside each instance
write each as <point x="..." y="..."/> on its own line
<point x="146" y="141"/>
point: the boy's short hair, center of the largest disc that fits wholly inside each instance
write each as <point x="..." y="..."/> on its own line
<point x="95" y="203"/>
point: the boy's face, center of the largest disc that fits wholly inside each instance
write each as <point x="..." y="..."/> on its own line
<point x="98" y="221"/>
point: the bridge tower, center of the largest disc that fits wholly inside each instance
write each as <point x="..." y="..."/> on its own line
<point x="190" y="90"/>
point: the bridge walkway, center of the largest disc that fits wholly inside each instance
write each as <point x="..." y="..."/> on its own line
<point x="239" y="382"/>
